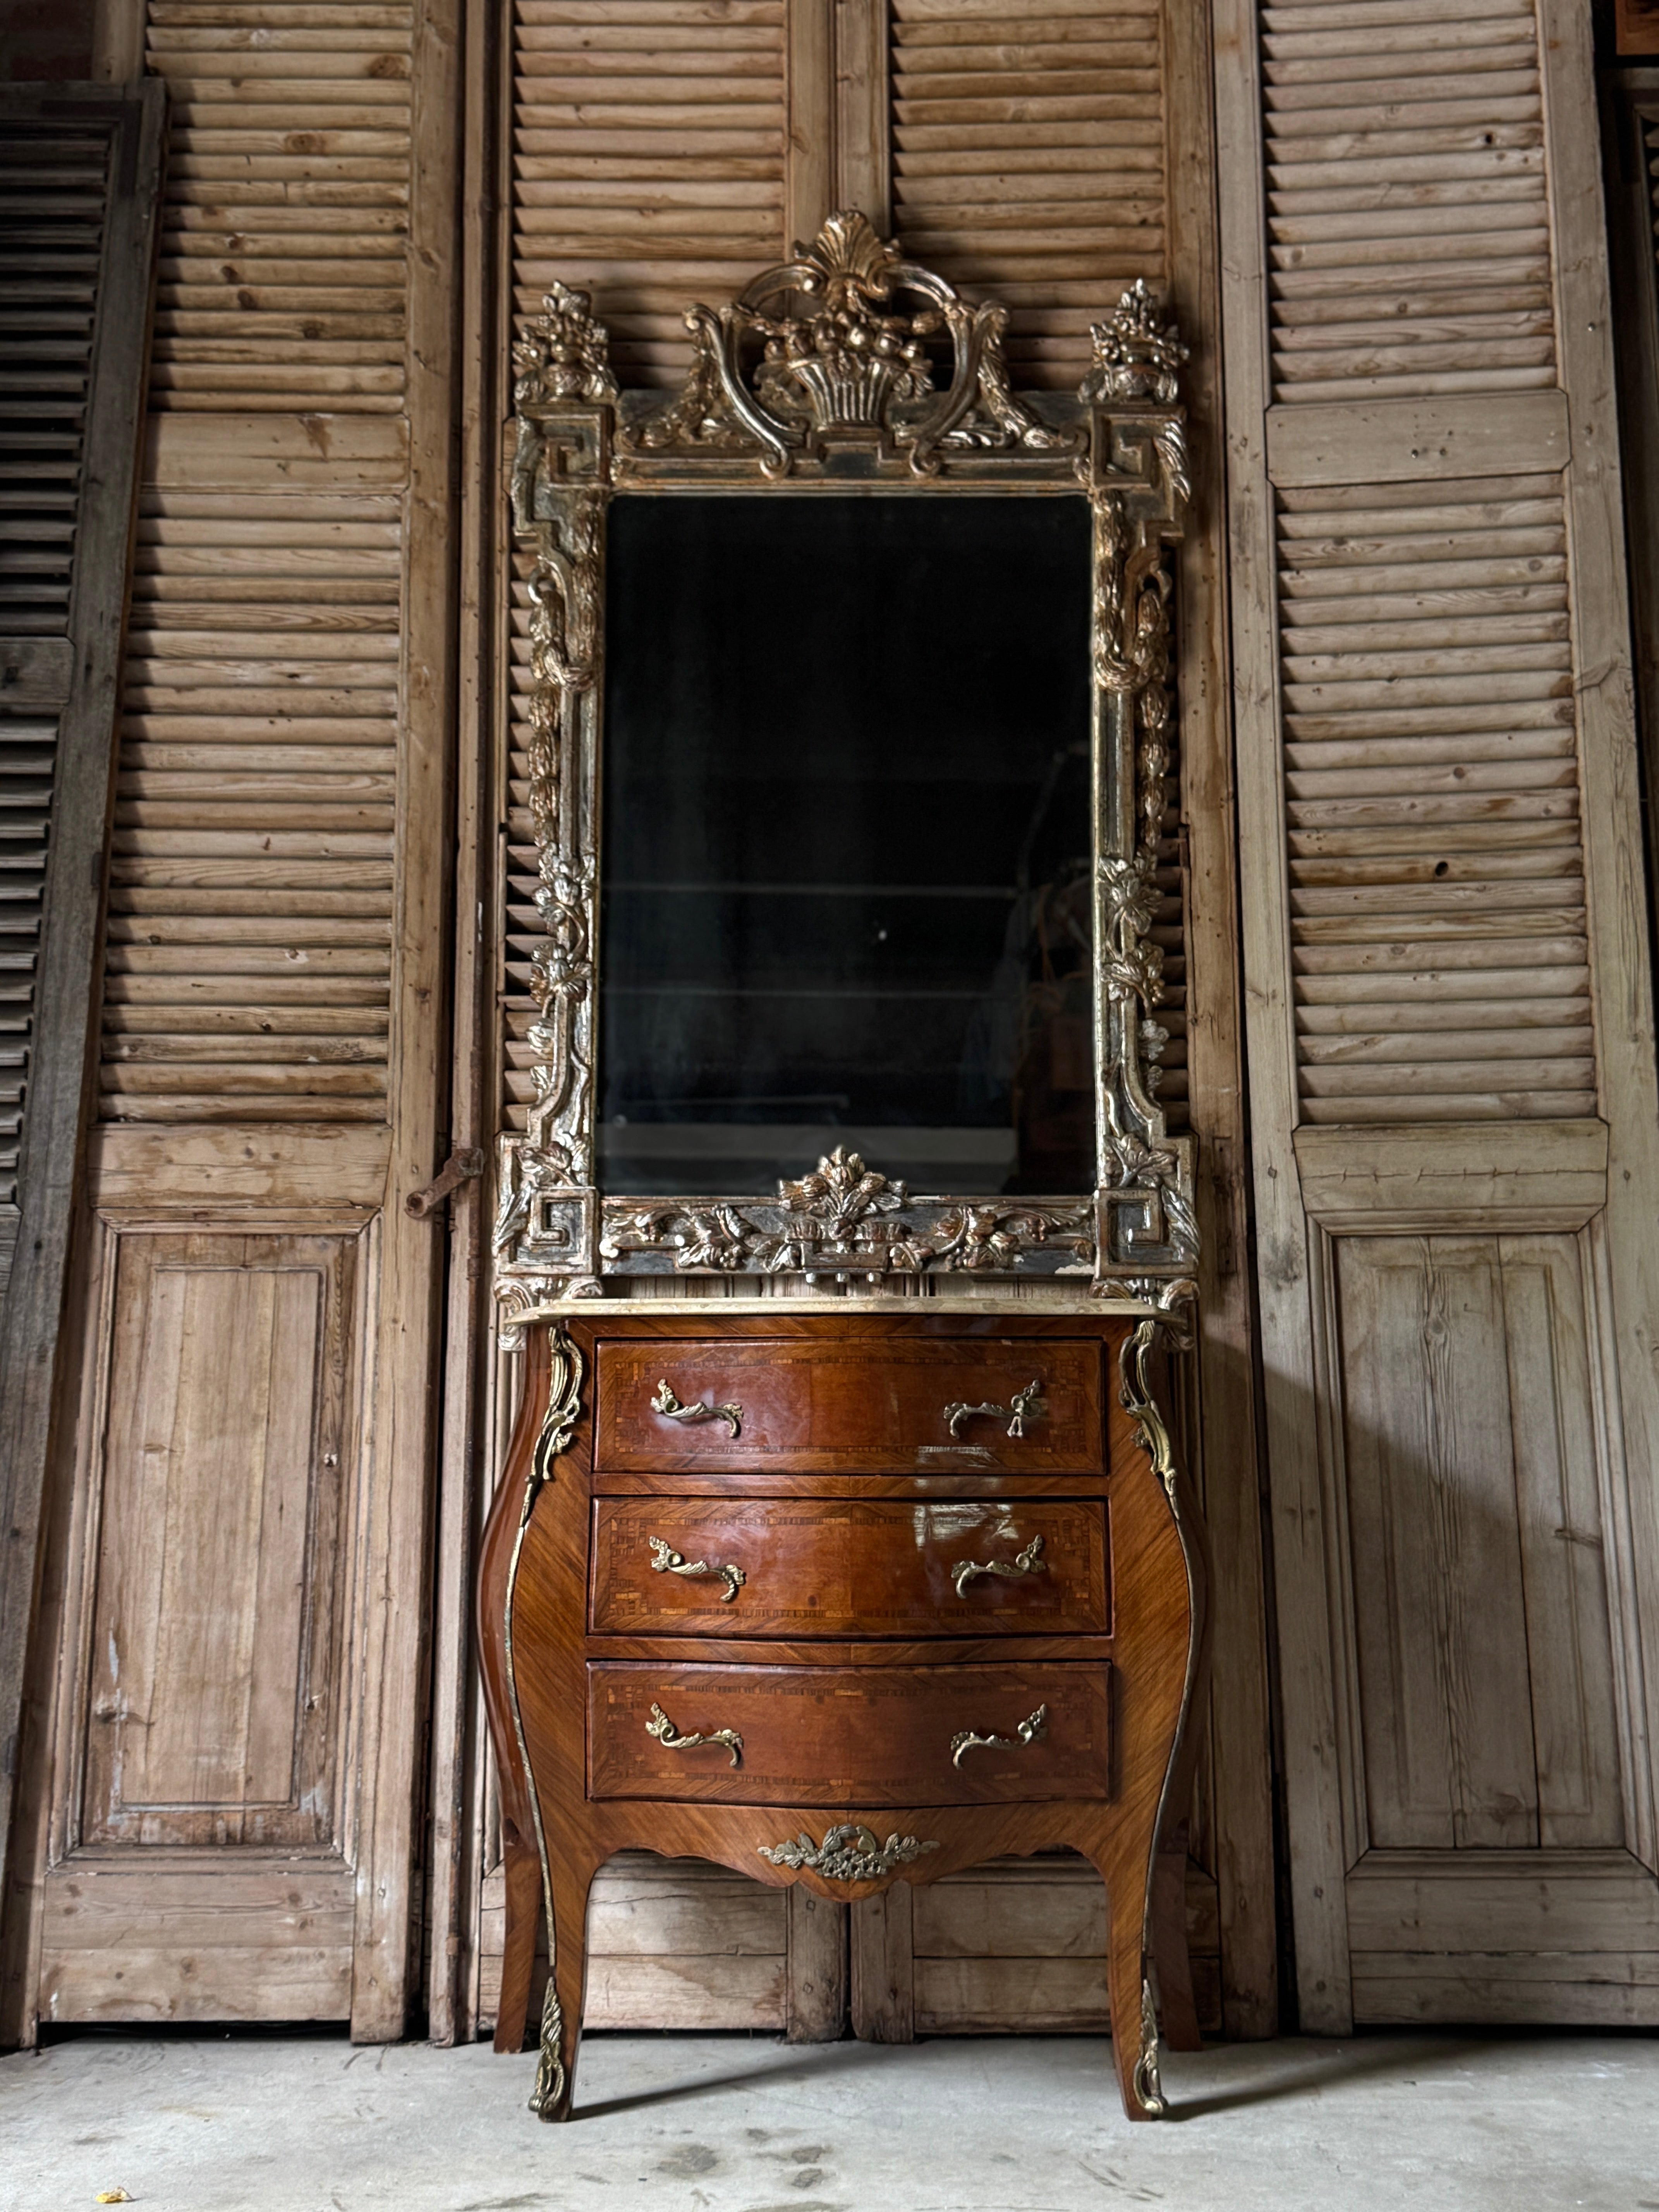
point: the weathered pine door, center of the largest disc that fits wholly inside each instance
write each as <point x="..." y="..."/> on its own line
<point x="1453" y="1125"/>
<point x="223" y="1809"/>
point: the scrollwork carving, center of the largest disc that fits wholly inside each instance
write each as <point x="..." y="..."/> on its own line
<point x="560" y="357"/>
<point x="564" y="590"/>
<point x="845" y="1222"/>
<point x="849" y="359"/>
<point x="518" y="1296"/>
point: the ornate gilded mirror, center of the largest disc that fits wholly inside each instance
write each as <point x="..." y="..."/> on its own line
<point x="848" y="768"/>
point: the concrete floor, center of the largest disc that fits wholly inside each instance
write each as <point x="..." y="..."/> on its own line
<point x="1474" y="2122"/>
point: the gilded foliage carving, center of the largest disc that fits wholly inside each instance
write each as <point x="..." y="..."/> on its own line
<point x="847" y="357"/>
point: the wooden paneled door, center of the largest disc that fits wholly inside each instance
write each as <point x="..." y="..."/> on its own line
<point x="223" y="1816"/>
<point x="1450" y="1023"/>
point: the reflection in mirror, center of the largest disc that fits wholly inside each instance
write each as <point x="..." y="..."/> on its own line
<point x="845" y="842"/>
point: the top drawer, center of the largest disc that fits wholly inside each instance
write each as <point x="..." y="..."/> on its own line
<point x="849" y="1406"/>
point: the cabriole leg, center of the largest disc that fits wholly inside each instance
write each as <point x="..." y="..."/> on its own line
<point x="561" y="2006"/>
<point x="1177" y="2009"/>
<point x="1129" y="1994"/>
<point x="522" y="1880"/>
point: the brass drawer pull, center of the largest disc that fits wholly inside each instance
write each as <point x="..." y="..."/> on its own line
<point x="665" y="1560"/>
<point x="1024" y="1406"/>
<point x="1024" y="1563"/>
<point x="1024" y="1735"/>
<point x="670" y="1407"/>
<point x="669" y="1738"/>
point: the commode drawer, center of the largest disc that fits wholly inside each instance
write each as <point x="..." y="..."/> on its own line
<point x="797" y="1567"/>
<point x="849" y="1406"/>
<point x="852" y="1737"/>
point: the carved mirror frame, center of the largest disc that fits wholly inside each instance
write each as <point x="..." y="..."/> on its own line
<point x="816" y="379"/>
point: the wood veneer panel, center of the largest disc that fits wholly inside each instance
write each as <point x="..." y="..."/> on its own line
<point x="813" y="1567"/>
<point x="846" y="1405"/>
<point x="827" y="1735"/>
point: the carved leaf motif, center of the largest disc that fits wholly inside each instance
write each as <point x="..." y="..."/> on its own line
<point x="847" y="247"/>
<point x="849" y="1852"/>
<point x="841" y="1191"/>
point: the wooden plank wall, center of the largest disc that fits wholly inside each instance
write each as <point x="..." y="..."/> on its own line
<point x="1452" y="1066"/>
<point x="1018" y="1944"/>
<point x="271" y="1086"/>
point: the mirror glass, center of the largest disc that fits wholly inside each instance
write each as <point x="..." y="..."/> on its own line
<point x="845" y="841"/>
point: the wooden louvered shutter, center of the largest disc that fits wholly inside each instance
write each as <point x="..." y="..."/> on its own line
<point x="252" y="882"/>
<point x="1028" y="158"/>
<point x="647" y="160"/>
<point x="236" y="1747"/>
<point x="80" y="169"/>
<point x="1047" y="152"/>
<point x="1453" y="1086"/>
<point x="1631" y="101"/>
<point x="648" y="156"/>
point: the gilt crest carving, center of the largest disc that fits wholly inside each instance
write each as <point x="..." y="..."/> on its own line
<point x="824" y="347"/>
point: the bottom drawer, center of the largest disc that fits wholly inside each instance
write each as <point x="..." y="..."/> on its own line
<point x="853" y="1737"/>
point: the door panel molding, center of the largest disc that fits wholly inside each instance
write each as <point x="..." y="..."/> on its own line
<point x="1569" y="1199"/>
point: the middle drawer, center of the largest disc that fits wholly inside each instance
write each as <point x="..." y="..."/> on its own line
<point x="807" y="1566"/>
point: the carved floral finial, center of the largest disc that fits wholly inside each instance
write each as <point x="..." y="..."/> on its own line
<point x="1134" y="357"/>
<point x="562" y="353"/>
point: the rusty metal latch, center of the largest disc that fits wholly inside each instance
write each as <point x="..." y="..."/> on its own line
<point x="462" y="1166"/>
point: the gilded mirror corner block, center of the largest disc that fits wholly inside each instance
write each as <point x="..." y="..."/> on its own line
<point x="848" y="363"/>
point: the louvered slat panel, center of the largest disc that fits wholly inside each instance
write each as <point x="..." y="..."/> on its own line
<point x="1028" y="160"/>
<point x="648" y="161"/>
<point x="1407" y="220"/>
<point x="251" y="878"/>
<point x="282" y="277"/>
<point x="1437" y="899"/>
<point x="51" y="222"/>
<point x="250" y="919"/>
